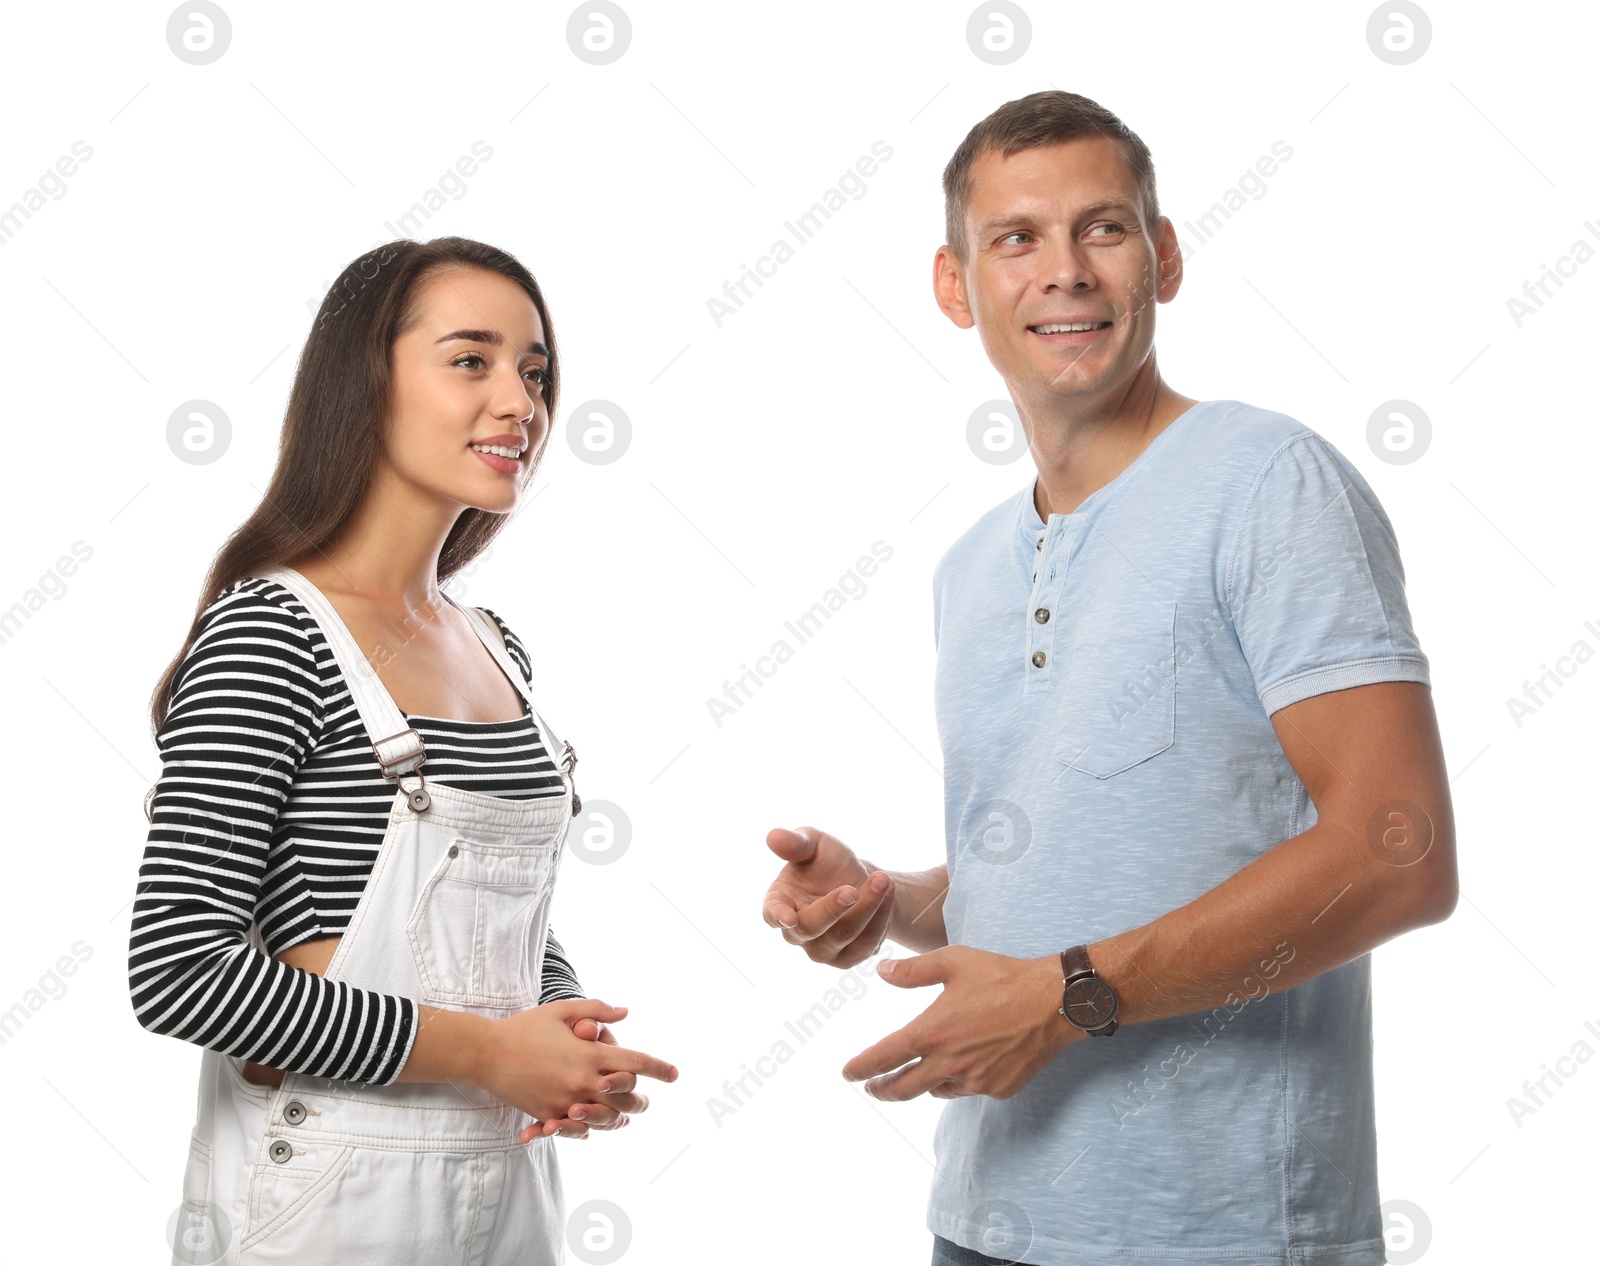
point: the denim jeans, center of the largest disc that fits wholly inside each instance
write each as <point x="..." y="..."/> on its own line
<point x="949" y="1253"/>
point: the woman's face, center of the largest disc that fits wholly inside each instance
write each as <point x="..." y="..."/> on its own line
<point x="469" y="372"/>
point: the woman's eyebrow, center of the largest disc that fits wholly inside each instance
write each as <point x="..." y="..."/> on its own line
<point x="492" y="337"/>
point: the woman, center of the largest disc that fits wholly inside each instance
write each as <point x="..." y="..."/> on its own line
<point x="343" y="900"/>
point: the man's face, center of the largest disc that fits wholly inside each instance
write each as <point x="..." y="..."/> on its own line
<point x="1054" y="237"/>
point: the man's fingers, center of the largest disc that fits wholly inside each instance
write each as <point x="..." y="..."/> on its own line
<point x="779" y="911"/>
<point x="883" y="1056"/>
<point x="816" y="917"/>
<point x="875" y="903"/>
<point x="908" y="1083"/>
<point x="798" y="846"/>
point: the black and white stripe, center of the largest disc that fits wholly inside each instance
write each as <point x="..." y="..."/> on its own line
<point x="270" y="805"/>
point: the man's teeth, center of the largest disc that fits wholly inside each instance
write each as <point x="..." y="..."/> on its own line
<point x="498" y="450"/>
<point x="1068" y="329"/>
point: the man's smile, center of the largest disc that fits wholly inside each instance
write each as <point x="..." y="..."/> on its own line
<point x="1069" y="332"/>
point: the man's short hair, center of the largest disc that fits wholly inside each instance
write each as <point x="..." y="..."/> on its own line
<point x="1041" y="118"/>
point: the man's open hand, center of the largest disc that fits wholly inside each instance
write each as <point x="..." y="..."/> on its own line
<point x="826" y="899"/>
<point x="992" y="1028"/>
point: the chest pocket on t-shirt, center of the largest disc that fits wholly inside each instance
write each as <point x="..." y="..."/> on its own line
<point x="1119" y="690"/>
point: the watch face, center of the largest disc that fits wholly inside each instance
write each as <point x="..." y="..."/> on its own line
<point x="1090" y="1002"/>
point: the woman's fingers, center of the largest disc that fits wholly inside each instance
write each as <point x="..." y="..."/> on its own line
<point x="626" y="1103"/>
<point x="620" y="1059"/>
<point x="599" y="1116"/>
<point x="615" y="1083"/>
<point x="576" y="1010"/>
<point x="543" y="1129"/>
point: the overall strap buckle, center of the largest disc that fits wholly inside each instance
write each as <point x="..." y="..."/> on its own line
<point x="568" y="762"/>
<point x="404" y="753"/>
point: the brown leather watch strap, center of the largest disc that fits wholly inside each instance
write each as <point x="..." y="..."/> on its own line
<point x="1075" y="963"/>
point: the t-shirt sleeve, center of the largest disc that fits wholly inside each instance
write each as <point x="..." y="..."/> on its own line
<point x="1314" y="583"/>
<point x="559" y="979"/>
<point x="247" y="709"/>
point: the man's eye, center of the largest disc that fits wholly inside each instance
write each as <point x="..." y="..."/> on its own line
<point x="1018" y="233"/>
<point x="1115" y="228"/>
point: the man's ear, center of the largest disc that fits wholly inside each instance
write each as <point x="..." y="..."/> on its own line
<point x="1169" y="261"/>
<point x="950" y="288"/>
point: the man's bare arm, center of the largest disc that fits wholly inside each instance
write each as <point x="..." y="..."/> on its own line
<point x="918" y="918"/>
<point x="1379" y="861"/>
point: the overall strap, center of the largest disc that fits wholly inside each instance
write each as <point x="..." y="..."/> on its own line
<point x="397" y="747"/>
<point x="489" y="631"/>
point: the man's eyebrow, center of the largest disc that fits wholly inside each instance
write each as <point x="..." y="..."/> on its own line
<point x="1023" y="219"/>
<point x="492" y="337"/>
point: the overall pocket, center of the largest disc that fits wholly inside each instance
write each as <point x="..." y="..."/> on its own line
<point x="200" y="1232"/>
<point x="281" y="1192"/>
<point x="1119" y="694"/>
<point x="474" y="928"/>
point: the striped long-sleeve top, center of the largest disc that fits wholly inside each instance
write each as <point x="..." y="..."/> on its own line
<point x="271" y="808"/>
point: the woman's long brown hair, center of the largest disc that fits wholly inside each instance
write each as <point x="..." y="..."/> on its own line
<point x="334" y="428"/>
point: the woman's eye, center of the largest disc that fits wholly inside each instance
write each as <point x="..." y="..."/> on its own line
<point x="544" y="374"/>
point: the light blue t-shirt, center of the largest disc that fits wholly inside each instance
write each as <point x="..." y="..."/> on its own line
<point x="1103" y="701"/>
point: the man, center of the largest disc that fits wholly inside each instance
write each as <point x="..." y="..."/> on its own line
<point x="1192" y="774"/>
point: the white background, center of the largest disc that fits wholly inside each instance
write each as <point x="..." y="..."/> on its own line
<point x="767" y="455"/>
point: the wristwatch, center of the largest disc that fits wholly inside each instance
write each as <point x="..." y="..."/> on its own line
<point x="1087" y="1000"/>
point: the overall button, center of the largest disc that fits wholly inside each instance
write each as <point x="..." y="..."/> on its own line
<point x="453" y="850"/>
<point x="280" y="1151"/>
<point x="294" y="1112"/>
<point x="1038" y="659"/>
<point x="419" y="800"/>
<point x="1042" y="615"/>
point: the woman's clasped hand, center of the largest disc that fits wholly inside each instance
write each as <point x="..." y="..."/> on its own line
<point x="561" y="1065"/>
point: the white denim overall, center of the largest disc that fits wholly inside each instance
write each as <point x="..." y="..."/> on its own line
<point x="455" y="914"/>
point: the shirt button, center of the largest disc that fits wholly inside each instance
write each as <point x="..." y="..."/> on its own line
<point x="1039" y="544"/>
<point x="1041" y="615"/>
<point x="1038" y="659"/>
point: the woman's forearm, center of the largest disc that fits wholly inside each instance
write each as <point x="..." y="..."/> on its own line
<point x="449" y="1046"/>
